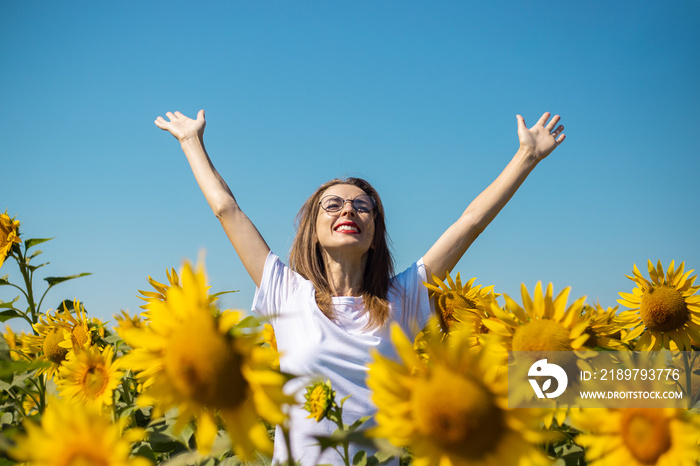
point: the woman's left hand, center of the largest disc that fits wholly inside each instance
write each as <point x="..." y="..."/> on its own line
<point x="543" y="137"/>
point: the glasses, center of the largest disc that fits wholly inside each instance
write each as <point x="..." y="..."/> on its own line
<point x="362" y="203"/>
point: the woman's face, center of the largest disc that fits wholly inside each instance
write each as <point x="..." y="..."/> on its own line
<point x="348" y="230"/>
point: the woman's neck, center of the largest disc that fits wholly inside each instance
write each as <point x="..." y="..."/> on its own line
<point x="345" y="275"/>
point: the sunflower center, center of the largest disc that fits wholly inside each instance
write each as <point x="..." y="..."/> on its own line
<point x="79" y="335"/>
<point x="646" y="434"/>
<point x="204" y="365"/>
<point x="94" y="381"/>
<point x="541" y="335"/>
<point x="448" y="303"/>
<point x="663" y="309"/>
<point x="53" y="352"/>
<point x="458" y="414"/>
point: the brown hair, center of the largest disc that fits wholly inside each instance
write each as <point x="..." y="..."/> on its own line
<point x="306" y="258"/>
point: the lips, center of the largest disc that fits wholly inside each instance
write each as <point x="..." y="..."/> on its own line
<point x="347" y="228"/>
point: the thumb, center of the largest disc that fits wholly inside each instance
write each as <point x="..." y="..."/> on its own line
<point x="521" y="122"/>
<point x="200" y="115"/>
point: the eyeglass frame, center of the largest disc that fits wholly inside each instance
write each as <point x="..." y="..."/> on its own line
<point x="345" y="201"/>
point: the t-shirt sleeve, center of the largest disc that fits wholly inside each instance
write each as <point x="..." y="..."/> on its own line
<point x="412" y="304"/>
<point x="278" y="282"/>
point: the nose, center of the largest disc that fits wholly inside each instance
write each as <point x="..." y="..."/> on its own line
<point x="348" y="210"/>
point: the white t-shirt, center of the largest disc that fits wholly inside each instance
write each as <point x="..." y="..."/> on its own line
<point x="316" y="348"/>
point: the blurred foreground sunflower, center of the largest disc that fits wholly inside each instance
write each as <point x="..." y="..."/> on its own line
<point x="453" y="410"/>
<point x="160" y="288"/>
<point x="639" y="437"/>
<point x="190" y="356"/>
<point x="666" y="306"/>
<point x="71" y="434"/>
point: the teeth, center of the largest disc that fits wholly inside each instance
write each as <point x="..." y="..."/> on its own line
<point x="346" y="228"/>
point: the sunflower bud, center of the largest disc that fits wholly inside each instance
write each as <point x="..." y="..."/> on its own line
<point x="320" y="399"/>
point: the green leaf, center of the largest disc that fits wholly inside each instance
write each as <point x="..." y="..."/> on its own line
<point x="145" y="450"/>
<point x="34" y="254"/>
<point x="34" y="241"/>
<point x="34" y="267"/>
<point x="4" y="349"/>
<point x="9" y="368"/>
<point x="9" y="304"/>
<point x="360" y="458"/>
<point x="10" y="313"/>
<point x="359" y="422"/>
<point x="216" y="295"/>
<point x="161" y="442"/>
<point x="248" y="322"/>
<point x="56" y="280"/>
<point x="6" y="418"/>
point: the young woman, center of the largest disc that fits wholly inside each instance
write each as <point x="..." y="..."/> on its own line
<point x="334" y="303"/>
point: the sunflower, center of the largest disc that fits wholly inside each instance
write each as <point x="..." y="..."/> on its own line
<point x="9" y="235"/>
<point x="60" y="332"/>
<point x="18" y="345"/>
<point x="46" y="344"/>
<point x="452" y="411"/>
<point x="666" y="307"/>
<point x="320" y="399"/>
<point x="639" y="437"/>
<point x="269" y="338"/>
<point x="126" y="321"/>
<point x="452" y="299"/>
<point x="89" y="376"/>
<point x="190" y="356"/>
<point x="544" y="324"/>
<point x="72" y="435"/>
<point x="607" y="328"/>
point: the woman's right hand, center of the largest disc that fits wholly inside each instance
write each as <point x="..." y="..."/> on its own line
<point x="182" y="127"/>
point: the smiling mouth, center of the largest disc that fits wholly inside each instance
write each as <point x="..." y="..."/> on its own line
<point x="347" y="228"/>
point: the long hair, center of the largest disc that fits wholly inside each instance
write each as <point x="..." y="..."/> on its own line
<point x="306" y="256"/>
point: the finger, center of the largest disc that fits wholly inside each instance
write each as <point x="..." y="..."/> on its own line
<point x="200" y="115"/>
<point x="160" y="122"/>
<point x="553" y="122"/>
<point x="521" y="122"/>
<point x="557" y="131"/>
<point x="543" y="119"/>
<point x="179" y="115"/>
<point x="560" y="139"/>
<point x="170" y="116"/>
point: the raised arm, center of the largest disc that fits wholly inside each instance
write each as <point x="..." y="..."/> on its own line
<point x="244" y="237"/>
<point x="536" y="143"/>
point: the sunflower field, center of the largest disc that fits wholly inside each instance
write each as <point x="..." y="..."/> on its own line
<point x="184" y="382"/>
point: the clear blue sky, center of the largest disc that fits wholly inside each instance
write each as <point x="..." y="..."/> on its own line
<point x="418" y="97"/>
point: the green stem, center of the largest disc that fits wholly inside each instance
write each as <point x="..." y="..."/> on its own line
<point x="26" y="275"/>
<point x="17" y="402"/>
<point x="20" y="289"/>
<point x="688" y="379"/>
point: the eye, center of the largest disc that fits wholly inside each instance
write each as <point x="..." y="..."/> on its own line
<point x="332" y="203"/>
<point x="363" y="203"/>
